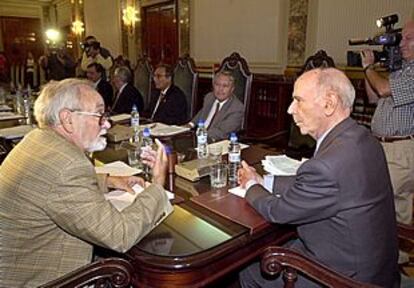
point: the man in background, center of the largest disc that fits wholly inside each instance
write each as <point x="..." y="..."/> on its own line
<point x="341" y="199"/>
<point x="222" y="111"/>
<point x="94" y="53"/>
<point x="126" y="94"/>
<point x="96" y="73"/>
<point x="58" y="64"/>
<point x="393" y="121"/>
<point x="52" y="204"/>
<point x="168" y="104"/>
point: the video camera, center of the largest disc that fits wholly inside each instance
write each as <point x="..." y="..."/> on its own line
<point x="88" y="46"/>
<point x="390" y="56"/>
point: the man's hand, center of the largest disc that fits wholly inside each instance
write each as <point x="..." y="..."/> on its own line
<point x="124" y="183"/>
<point x="367" y="57"/>
<point x="247" y="173"/>
<point x="158" y="161"/>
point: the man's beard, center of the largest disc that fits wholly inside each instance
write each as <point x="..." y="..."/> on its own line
<point x="99" y="144"/>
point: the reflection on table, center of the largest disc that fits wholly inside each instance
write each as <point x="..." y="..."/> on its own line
<point x="195" y="247"/>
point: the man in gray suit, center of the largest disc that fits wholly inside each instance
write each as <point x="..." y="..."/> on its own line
<point x="52" y="204"/>
<point x="222" y="111"/>
<point x="341" y="199"/>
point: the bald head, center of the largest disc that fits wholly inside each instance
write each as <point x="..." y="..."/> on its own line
<point x="407" y="42"/>
<point x="322" y="98"/>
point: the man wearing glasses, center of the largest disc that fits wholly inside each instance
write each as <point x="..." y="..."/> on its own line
<point x="168" y="104"/>
<point x="52" y="207"/>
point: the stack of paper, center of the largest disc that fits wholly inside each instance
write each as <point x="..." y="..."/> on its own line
<point x="281" y="165"/>
<point x="160" y="129"/>
<point x="120" y="117"/>
<point x="10" y="116"/>
<point x="15" y="132"/>
<point x="117" y="168"/>
<point x="225" y="146"/>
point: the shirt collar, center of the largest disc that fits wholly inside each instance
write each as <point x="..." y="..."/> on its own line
<point x="320" y="139"/>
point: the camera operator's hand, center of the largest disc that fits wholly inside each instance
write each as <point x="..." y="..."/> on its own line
<point x="367" y="57"/>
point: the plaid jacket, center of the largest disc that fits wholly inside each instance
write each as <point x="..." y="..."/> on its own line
<point x="52" y="211"/>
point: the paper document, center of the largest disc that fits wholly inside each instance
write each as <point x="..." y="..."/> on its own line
<point x="4" y="107"/>
<point x="117" y="168"/>
<point x="120" y="117"/>
<point x="160" y="129"/>
<point x="122" y="199"/>
<point x="281" y="165"/>
<point x="225" y="146"/>
<point x="238" y="191"/>
<point x="10" y="116"/>
<point x="16" y="131"/>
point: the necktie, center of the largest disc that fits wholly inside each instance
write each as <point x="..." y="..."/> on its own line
<point x="160" y="98"/>
<point x="214" y="115"/>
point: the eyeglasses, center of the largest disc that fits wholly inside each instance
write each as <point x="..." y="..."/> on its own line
<point x="159" y="75"/>
<point x="103" y="117"/>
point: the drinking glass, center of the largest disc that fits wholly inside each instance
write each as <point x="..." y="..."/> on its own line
<point x="218" y="175"/>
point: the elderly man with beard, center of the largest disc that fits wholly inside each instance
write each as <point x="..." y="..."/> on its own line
<point x="52" y="204"/>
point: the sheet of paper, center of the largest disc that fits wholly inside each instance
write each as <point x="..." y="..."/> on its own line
<point x="160" y="129"/>
<point x="122" y="199"/>
<point x="281" y="165"/>
<point x="16" y="131"/>
<point x="4" y="107"/>
<point x="238" y="191"/>
<point x="117" y="168"/>
<point x="120" y="117"/>
<point x="225" y="146"/>
<point x="9" y="116"/>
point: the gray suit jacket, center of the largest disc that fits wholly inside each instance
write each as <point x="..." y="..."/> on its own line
<point x="52" y="211"/>
<point x="342" y="201"/>
<point x="229" y="118"/>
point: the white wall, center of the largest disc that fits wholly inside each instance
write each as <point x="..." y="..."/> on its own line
<point x="255" y="29"/>
<point x="332" y="22"/>
<point x="102" y="19"/>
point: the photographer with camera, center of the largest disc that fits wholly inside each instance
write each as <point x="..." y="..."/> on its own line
<point x="393" y="120"/>
<point x="94" y="53"/>
<point x="57" y="63"/>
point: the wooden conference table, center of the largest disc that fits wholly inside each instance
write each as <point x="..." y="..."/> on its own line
<point x="195" y="247"/>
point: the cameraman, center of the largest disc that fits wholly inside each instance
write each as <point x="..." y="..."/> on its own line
<point x="393" y="120"/>
<point x="57" y="63"/>
<point x="94" y="53"/>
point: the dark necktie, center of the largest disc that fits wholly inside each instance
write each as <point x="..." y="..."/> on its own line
<point x="160" y="99"/>
<point x="214" y="115"/>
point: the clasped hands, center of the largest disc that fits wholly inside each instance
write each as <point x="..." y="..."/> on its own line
<point x="156" y="160"/>
<point x="247" y="173"/>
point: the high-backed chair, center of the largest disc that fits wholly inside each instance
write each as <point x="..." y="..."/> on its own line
<point x="237" y="65"/>
<point x="290" y="263"/>
<point x="111" y="272"/>
<point x="186" y="78"/>
<point x="143" y="78"/>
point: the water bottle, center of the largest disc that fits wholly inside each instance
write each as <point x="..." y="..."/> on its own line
<point x="146" y="142"/>
<point x="135" y="123"/>
<point x="234" y="157"/>
<point x="26" y="109"/>
<point x="201" y="133"/>
<point x="19" y="102"/>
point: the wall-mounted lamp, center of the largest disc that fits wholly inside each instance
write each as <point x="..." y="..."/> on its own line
<point x="78" y="27"/>
<point x="129" y="17"/>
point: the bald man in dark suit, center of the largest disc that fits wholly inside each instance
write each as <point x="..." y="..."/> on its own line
<point x="341" y="199"/>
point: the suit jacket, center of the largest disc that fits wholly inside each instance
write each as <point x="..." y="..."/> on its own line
<point x="52" y="211"/>
<point x="229" y="118"/>
<point x="106" y="91"/>
<point x="129" y="96"/>
<point x="342" y="201"/>
<point x="173" y="109"/>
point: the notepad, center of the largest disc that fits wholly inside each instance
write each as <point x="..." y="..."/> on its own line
<point x="117" y="168"/>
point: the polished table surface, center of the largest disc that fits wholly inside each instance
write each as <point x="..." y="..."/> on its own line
<point x="195" y="247"/>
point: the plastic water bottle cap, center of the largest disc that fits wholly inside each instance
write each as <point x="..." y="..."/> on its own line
<point x="146" y="132"/>
<point x="200" y="123"/>
<point x="233" y="137"/>
<point x="168" y="149"/>
<point x="134" y="108"/>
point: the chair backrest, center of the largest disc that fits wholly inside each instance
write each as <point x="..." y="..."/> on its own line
<point x="186" y="78"/>
<point x="287" y="261"/>
<point x="237" y="65"/>
<point x="143" y="78"/>
<point x="304" y="144"/>
<point x="110" y="272"/>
